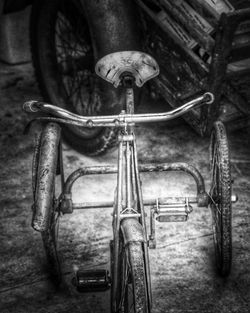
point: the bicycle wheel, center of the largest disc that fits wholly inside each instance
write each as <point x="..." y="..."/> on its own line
<point x="49" y="238"/>
<point x="131" y="294"/>
<point x="64" y="56"/>
<point x="220" y="198"/>
<point x="50" y="234"/>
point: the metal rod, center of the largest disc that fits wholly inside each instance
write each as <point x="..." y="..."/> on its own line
<point x="121" y="119"/>
<point x="89" y="170"/>
<point x="126" y="215"/>
<point x="143" y="222"/>
<point x="116" y="216"/>
<point x="134" y="189"/>
<point x="184" y="167"/>
<point x="128" y="175"/>
<point x="178" y="166"/>
<point x="130" y="100"/>
<point x="146" y="202"/>
<point x="46" y="172"/>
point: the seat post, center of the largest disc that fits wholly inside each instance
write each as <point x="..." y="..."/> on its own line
<point x="128" y="81"/>
<point x="129" y="100"/>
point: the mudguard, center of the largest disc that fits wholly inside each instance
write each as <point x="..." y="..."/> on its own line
<point x="45" y="178"/>
<point x="132" y="231"/>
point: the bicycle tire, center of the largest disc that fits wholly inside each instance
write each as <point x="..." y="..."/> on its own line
<point x="49" y="238"/>
<point x="220" y="195"/>
<point x="131" y="293"/>
<point x="50" y="235"/>
<point x="57" y="68"/>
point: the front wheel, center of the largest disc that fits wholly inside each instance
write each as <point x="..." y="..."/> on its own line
<point x="220" y="198"/>
<point x="131" y="293"/>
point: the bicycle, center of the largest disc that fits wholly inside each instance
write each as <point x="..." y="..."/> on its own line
<point x="130" y="274"/>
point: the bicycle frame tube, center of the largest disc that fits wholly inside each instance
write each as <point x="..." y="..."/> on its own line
<point x="129" y="204"/>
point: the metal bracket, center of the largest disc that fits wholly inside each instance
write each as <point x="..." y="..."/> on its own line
<point x="66" y="204"/>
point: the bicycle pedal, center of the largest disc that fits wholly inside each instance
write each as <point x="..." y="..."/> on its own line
<point x="172" y="217"/>
<point x="92" y="281"/>
<point x="171" y="212"/>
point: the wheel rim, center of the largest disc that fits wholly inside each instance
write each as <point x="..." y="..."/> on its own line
<point x="220" y="196"/>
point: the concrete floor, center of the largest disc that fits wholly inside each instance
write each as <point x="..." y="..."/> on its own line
<point x="182" y="266"/>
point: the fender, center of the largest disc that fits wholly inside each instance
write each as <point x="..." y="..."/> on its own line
<point x="45" y="180"/>
<point x="132" y="231"/>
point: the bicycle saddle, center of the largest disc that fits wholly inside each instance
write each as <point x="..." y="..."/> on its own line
<point x="141" y="65"/>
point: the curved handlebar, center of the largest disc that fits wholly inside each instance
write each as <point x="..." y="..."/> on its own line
<point x="119" y="119"/>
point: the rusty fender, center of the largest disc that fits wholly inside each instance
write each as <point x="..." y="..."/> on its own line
<point x="132" y="231"/>
<point x="46" y="172"/>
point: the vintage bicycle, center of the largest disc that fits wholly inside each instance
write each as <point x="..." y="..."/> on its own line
<point x="129" y="277"/>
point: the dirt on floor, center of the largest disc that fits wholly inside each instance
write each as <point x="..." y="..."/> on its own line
<point x="182" y="266"/>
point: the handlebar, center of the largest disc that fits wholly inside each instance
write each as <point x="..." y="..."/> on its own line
<point x="119" y="119"/>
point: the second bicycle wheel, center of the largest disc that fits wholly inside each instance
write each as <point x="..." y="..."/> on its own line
<point x="131" y="293"/>
<point x="65" y="47"/>
<point x="220" y="198"/>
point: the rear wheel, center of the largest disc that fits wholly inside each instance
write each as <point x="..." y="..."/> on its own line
<point x="64" y="56"/>
<point x="220" y="198"/>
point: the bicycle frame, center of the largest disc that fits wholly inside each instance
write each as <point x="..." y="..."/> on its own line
<point x="129" y="201"/>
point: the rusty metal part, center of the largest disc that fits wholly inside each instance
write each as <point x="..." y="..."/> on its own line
<point x="46" y="172"/>
<point x="146" y="202"/>
<point x="143" y="222"/>
<point x="168" y="210"/>
<point x="202" y="198"/>
<point x="184" y="167"/>
<point x="132" y="231"/>
<point x="116" y="218"/>
<point x="121" y="119"/>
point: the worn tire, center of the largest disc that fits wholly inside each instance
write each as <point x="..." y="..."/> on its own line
<point x="131" y="295"/>
<point x="220" y="196"/>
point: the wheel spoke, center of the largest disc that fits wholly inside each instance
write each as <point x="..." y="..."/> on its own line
<point x="72" y="50"/>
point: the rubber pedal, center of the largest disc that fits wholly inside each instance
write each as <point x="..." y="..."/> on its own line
<point x="92" y="281"/>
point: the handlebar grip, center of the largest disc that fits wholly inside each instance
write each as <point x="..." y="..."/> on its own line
<point x="208" y="97"/>
<point x="31" y="106"/>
